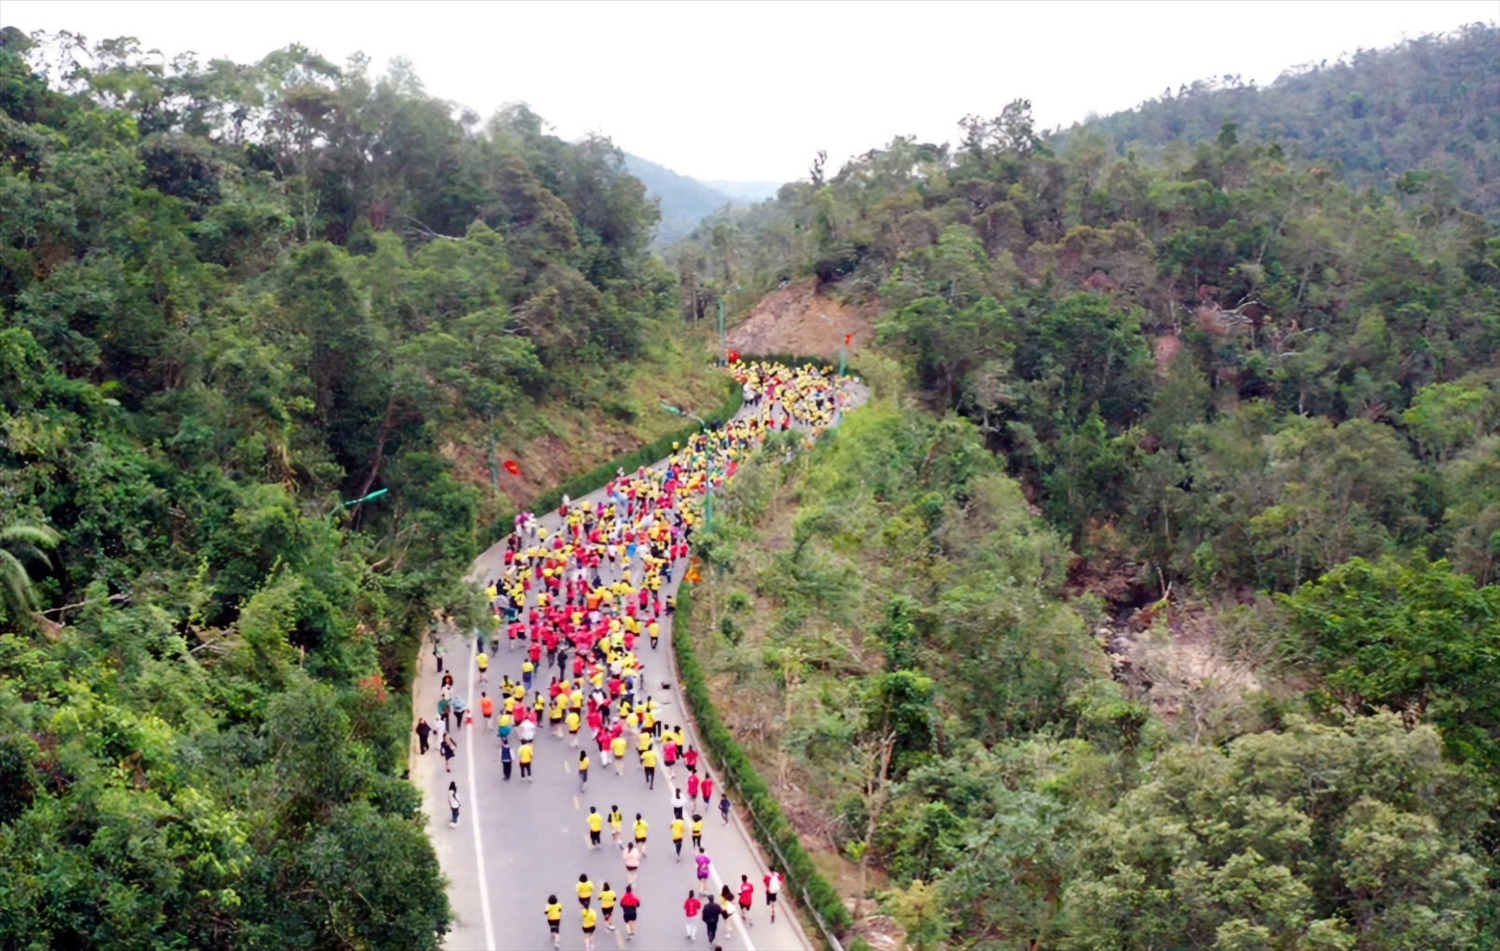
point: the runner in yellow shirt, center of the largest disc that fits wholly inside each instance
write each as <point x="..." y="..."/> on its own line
<point x="590" y="919"/>
<point x="553" y="911"/>
<point x="596" y="827"/>
<point x="617" y="750"/>
<point x="641" y="828"/>
<point x="607" y="905"/>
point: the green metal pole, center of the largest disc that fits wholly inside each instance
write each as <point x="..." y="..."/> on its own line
<point x="723" y="342"/>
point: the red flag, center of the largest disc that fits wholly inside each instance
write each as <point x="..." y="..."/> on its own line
<point x="734" y="356"/>
<point x="848" y="339"/>
<point x="512" y="468"/>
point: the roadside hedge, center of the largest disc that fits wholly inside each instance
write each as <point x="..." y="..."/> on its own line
<point x="769" y="823"/>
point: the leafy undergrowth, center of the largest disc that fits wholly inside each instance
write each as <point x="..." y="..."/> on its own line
<point x="888" y="631"/>
<point x="608" y="413"/>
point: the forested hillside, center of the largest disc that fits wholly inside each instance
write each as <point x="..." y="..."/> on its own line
<point x="683" y="201"/>
<point x="1428" y="105"/>
<point x="233" y="297"/>
<point x="1164" y="612"/>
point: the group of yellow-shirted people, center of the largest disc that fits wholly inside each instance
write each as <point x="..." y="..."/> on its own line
<point x="582" y="601"/>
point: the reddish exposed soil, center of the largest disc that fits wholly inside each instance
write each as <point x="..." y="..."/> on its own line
<point x="799" y="320"/>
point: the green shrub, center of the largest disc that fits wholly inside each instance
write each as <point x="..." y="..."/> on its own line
<point x="736" y="769"/>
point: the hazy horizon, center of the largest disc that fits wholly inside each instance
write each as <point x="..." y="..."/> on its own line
<point x="737" y="92"/>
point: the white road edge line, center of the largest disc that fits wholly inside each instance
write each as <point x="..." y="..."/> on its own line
<point x="484" y="888"/>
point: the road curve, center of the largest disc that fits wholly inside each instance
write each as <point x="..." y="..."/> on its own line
<point x="518" y="842"/>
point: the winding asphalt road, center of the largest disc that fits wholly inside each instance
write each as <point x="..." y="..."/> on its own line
<point x="518" y="842"/>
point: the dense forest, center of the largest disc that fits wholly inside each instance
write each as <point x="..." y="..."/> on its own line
<point x="234" y="298"/>
<point x="1152" y="602"/>
<point x="1425" y="106"/>
<point x="1162" y="609"/>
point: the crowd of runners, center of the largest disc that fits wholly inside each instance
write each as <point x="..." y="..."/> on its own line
<point x="583" y="608"/>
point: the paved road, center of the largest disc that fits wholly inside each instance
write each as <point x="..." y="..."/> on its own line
<point x="517" y="842"/>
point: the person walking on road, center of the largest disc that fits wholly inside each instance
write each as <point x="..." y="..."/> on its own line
<point x="724" y="807"/>
<point x="437" y="653"/>
<point x="711" y="914"/>
<point x="616" y="824"/>
<point x="707" y="788"/>
<point x="553" y="911"/>
<point x="590" y="919"/>
<point x="423" y="731"/>
<point x="679" y="802"/>
<point x="726" y="910"/>
<point x="617" y="750"/>
<point x="525" y="757"/>
<point x="773" y="882"/>
<point x="630" y="905"/>
<point x="697" y="830"/>
<point x="678" y="827"/>
<point x="691" y="909"/>
<point x="450" y="749"/>
<point x="596" y="827"/>
<point x="747" y="899"/>
<point x="460" y="708"/>
<point x="585" y="890"/>
<point x="648" y="764"/>
<point x="632" y="862"/>
<point x="703" y="862"/>
<point x="607" y="905"/>
<point x="506" y="758"/>
<point x="453" y="804"/>
<point x="641" y="828"/>
<point x="583" y="770"/>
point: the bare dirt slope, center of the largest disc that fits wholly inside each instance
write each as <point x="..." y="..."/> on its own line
<point x="799" y="320"/>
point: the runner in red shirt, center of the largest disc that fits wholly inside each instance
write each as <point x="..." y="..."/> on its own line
<point x="774" y="880"/>
<point x="691" y="908"/>
<point x="630" y="904"/>
<point x="747" y="899"/>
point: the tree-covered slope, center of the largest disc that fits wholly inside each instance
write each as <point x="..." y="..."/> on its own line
<point x="1255" y="402"/>
<point x="233" y="296"/>
<point x="683" y="201"/>
<point x="1426" y="105"/>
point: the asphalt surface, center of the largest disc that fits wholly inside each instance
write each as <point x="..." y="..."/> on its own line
<point x="517" y="842"/>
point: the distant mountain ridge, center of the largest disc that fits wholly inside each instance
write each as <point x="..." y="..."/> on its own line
<point x="1388" y="117"/>
<point x="685" y="201"/>
<point x="747" y="192"/>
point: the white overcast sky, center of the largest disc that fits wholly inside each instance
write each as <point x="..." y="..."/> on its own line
<point x="750" y="91"/>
